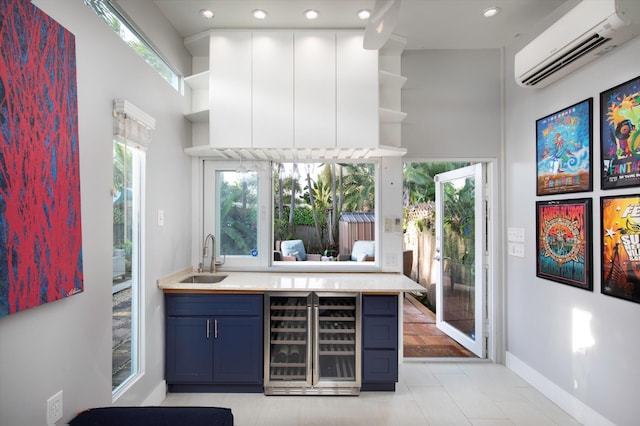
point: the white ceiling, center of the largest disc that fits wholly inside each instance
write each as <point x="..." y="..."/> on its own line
<point x="428" y="24"/>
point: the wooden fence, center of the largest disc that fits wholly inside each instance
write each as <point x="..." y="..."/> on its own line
<point x="422" y="242"/>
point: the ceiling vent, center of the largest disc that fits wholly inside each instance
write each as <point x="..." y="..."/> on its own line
<point x="590" y="29"/>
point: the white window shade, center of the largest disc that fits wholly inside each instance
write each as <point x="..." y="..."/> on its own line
<point x="131" y="125"/>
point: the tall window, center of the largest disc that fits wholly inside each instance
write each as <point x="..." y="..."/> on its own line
<point x="106" y="11"/>
<point x="132" y="134"/>
<point x="128" y="170"/>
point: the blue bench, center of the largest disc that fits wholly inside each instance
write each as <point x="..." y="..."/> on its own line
<point x="154" y="416"/>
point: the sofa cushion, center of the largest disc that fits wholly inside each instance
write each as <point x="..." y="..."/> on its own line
<point x="157" y="416"/>
<point x="293" y="248"/>
<point x="363" y="250"/>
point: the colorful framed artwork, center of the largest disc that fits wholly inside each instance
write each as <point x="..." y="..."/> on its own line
<point x="564" y="145"/>
<point x="564" y="247"/>
<point x="620" y="135"/>
<point x="620" y="233"/>
<point x="40" y="228"/>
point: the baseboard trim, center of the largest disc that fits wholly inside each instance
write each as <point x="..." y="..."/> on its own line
<point x="569" y="403"/>
<point x="157" y="395"/>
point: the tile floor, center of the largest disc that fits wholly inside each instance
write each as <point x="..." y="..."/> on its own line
<point x="465" y="393"/>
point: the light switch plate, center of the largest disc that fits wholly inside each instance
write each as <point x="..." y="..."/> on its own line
<point x="515" y="249"/>
<point x="515" y="234"/>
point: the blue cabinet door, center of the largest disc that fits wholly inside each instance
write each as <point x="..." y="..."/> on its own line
<point x="379" y="342"/>
<point x="214" y="342"/>
<point x="381" y="332"/>
<point x="380" y="366"/>
<point x="238" y="347"/>
<point x="188" y="350"/>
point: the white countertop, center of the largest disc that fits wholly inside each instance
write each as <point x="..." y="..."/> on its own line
<point x="296" y="281"/>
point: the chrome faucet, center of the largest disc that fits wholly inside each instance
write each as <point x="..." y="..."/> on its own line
<point x="214" y="263"/>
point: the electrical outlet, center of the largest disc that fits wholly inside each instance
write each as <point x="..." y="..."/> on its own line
<point x="54" y="408"/>
<point x="390" y="259"/>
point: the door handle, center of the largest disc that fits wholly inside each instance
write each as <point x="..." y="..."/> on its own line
<point x="208" y="328"/>
<point x="215" y="329"/>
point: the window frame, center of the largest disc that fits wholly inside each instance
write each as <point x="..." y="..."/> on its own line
<point x="209" y="216"/>
<point x="137" y="269"/>
<point x="176" y="80"/>
<point x="264" y="259"/>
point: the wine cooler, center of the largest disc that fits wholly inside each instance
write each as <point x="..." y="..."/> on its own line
<point x="312" y="344"/>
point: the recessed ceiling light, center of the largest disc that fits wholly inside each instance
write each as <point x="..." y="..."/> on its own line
<point x="207" y="13"/>
<point x="364" y="14"/>
<point x="311" y="14"/>
<point x="492" y="11"/>
<point x="259" y="14"/>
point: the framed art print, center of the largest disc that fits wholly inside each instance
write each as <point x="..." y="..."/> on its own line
<point x="563" y="248"/>
<point x="564" y="150"/>
<point x="620" y="233"/>
<point x="40" y="223"/>
<point x="620" y="135"/>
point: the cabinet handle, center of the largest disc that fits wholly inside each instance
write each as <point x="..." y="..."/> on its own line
<point x="208" y="328"/>
<point x="316" y="345"/>
<point x="215" y="329"/>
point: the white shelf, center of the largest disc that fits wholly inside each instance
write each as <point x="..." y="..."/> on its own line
<point x="389" y="87"/>
<point x="198" y="81"/>
<point x="390" y="91"/>
<point x="198" y="116"/>
<point x="394" y="46"/>
<point x="199" y="84"/>
<point x="391" y="116"/>
<point x="391" y="81"/>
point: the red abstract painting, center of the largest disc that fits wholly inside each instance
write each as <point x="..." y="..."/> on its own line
<point x="40" y="227"/>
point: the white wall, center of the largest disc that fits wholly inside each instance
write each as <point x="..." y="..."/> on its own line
<point x="67" y="344"/>
<point x="604" y="377"/>
<point x="453" y="100"/>
<point x="389" y="198"/>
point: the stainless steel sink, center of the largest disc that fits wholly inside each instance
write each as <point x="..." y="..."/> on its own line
<point x="203" y="279"/>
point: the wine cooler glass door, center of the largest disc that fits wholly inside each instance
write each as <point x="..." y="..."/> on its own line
<point x="289" y="351"/>
<point x="337" y="340"/>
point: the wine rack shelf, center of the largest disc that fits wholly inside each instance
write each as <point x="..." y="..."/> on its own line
<point x="313" y="343"/>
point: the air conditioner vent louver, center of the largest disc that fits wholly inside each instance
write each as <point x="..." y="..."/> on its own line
<point x="583" y="34"/>
<point x="577" y="52"/>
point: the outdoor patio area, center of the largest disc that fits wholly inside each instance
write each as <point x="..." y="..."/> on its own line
<point x="121" y="347"/>
<point x="421" y="337"/>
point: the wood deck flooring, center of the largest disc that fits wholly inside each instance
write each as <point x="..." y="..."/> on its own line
<point x="421" y="338"/>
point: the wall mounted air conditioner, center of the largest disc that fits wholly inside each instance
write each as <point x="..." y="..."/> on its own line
<point x="587" y="31"/>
